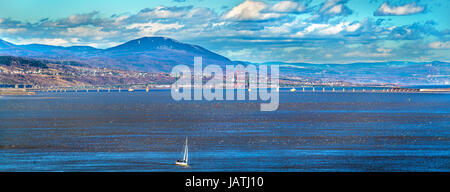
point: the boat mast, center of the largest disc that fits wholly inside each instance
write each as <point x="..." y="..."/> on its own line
<point x="186" y="153"/>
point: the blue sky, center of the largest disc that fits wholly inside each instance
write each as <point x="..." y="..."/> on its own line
<point x="315" y="31"/>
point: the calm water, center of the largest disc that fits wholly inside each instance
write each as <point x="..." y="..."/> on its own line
<point x="146" y="131"/>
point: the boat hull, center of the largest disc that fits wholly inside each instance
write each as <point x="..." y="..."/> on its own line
<point x="181" y="163"/>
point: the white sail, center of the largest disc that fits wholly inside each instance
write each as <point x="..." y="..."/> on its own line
<point x="185" y="157"/>
<point x="187" y="152"/>
<point x="184" y="162"/>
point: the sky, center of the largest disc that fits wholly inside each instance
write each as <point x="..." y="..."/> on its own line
<point x="312" y="31"/>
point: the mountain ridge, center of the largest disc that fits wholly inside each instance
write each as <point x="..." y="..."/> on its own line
<point x="397" y="72"/>
<point x="150" y="54"/>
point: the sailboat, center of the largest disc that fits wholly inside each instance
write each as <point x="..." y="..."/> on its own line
<point x="184" y="161"/>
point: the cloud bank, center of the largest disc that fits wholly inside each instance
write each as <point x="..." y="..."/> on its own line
<point x="407" y="9"/>
<point x="258" y="31"/>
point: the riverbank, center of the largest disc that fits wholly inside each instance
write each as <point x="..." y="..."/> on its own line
<point x="17" y="93"/>
<point x="14" y="91"/>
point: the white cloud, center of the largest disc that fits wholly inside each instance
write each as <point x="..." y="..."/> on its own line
<point x="278" y="29"/>
<point x="406" y="9"/>
<point x="246" y="32"/>
<point x="149" y="29"/>
<point x="328" y="4"/>
<point x="336" y="9"/>
<point x="218" y="24"/>
<point x="384" y="50"/>
<point x="380" y="52"/>
<point x="327" y="29"/>
<point x="47" y="41"/>
<point x="285" y="27"/>
<point x="13" y="30"/>
<point x="333" y="29"/>
<point x="119" y="20"/>
<point x="250" y="10"/>
<point x="314" y="27"/>
<point x="440" y="45"/>
<point x="330" y="9"/>
<point x="200" y="12"/>
<point x="353" y="28"/>
<point x="162" y="12"/>
<point x="291" y="49"/>
<point x="288" y="6"/>
<point x="81" y="18"/>
<point x="85" y="31"/>
<point x="311" y="28"/>
<point x="239" y="54"/>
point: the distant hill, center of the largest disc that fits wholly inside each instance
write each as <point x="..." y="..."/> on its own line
<point x="160" y="54"/>
<point x="397" y="72"/>
<point x="47" y="73"/>
<point x="23" y="63"/>
<point x="5" y="45"/>
<point x="150" y="54"/>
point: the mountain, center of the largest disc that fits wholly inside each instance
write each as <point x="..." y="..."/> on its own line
<point x="50" y="49"/>
<point x="161" y="54"/>
<point x="397" y="72"/>
<point x="149" y="54"/>
<point x="5" y="44"/>
<point x="7" y="48"/>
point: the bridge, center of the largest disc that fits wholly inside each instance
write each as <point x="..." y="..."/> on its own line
<point x="147" y="87"/>
<point x="25" y="88"/>
<point x="15" y="89"/>
<point x="106" y="88"/>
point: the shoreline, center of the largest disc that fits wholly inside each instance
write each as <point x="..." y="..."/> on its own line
<point x="318" y="89"/>
<point x="17" y="93"/>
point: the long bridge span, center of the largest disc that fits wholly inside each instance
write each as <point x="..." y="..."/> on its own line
<point x="147" y="87"/>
